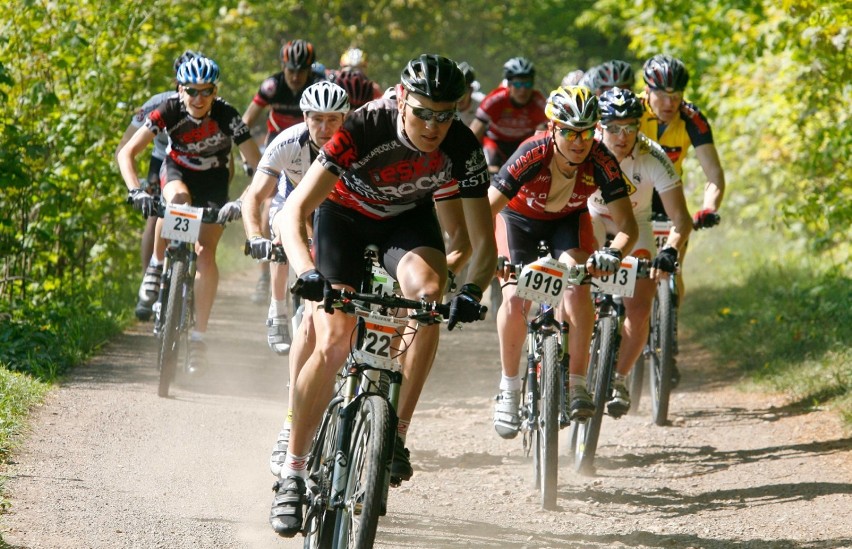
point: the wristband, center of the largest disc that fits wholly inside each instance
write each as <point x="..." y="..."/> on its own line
<point x="472" y="290"/>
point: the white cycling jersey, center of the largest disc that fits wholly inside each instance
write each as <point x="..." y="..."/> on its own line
<point x="288" y="157"/>
<point x="646" y="168"/>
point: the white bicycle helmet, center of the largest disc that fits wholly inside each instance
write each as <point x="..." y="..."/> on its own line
<point x="324" y="96"/>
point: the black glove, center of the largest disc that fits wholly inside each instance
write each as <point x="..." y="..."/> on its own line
<point x="666" y="260"/>
<point x="248" y="169"/>
<point x="259" y="247"/>
<point x="706" y="218"/>
<point x="465" y="306"/>
<point x="142" y="201"/>
<point x="230" y="212"/>
<point x="606" y="259"/>
<point x="310" y="285"/>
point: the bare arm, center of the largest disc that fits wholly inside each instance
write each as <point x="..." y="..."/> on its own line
<point x="497" y="201"/>
<point x="252" y="112"/>
<point x="127" y="156"/>
<point x="128" y="133"/>
<point x="714" y="190"/>
<point x="262" y="185"/>
<point x="480" y="228"/>
<point x="301" y="203"/>
<point x="451" y="216"/>
<point x="675" y="204"/>
<point x="250" y="153"/>
<point x="478" y="128"/>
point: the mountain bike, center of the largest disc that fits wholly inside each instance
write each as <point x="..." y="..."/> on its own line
<point x="349" y="464"/>
<point x="606" y="338"/>
<point x="544" y="399"/>
<point x="661" y="350"/>
<point x="174" y="310"/>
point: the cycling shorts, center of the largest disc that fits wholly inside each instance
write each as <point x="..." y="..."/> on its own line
<point x="153" y="178"/>
<point x="498" y="152"/>
<point x="518" y="236"/>
<point x="342" y="234"/>
<point x="645" y="246"/>
<point x="207" y="188"/>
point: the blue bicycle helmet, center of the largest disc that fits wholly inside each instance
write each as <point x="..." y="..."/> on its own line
<point x="199" y="70"/>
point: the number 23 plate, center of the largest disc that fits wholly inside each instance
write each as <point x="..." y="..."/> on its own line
<point x="181" y="222"/>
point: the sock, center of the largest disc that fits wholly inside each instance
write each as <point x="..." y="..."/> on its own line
<point x="277" y="307"/>
<point x="295" y="466"/>
<point x="402" y="429"/>
<point x="620" y="378"/>
<point x="196" y="336"/>
<point x="510" y="383"/>
<point x="575" y="380"/>
<point x="154" y="262"/>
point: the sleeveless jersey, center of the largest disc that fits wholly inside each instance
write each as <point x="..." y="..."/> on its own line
<point x="526" y="179"/>
<point x="284" y="110"/>
<point x="646" y="168"/>
<point x="689" y="127"/>
<point x="289" y="156"/>
<point x="508" y="123"/>
<point x="381" y="175"/>
<point x="199" y="144"/>
<point x="161" y="141"/>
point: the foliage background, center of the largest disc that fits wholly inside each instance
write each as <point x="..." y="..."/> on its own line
<point x="773" y="78"/>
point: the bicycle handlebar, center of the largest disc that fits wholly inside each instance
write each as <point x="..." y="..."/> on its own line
<point x="276" y="253"/>
<point x="577" y="274"/>
<point x="209" y="214"/>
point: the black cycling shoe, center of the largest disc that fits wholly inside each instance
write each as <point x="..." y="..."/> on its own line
<point x="285" y="516"/>
<point x="675" y="376"/>
<point x="400" y="468"/>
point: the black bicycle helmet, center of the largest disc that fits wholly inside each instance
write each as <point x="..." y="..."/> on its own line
<point x="436" y="77"/>
<point x="297" y="55"/>
<point x="518" y="67"/>
<point x="469" y="74"/>
<point x="663" y="72"/>
<point x="619" y="104"/>
<point x="186" y="56"/>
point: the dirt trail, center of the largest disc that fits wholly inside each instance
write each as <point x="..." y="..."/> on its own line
<point x="110" y="465"/>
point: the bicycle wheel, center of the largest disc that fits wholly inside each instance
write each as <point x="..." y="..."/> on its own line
<point x="636" y="383"/>
<point x="662" y="356"/>
<point x="170" y="335"/>
<point x="320" y="516"/>
<point x="547" y="441"/>
<point x="358" y="519"/>
<point x="602" y="363"/>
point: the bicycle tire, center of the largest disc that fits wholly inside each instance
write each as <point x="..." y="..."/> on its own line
<point x="599" y="378"/>
<point x="357" y="521"/>
<point x="662" y="357"/>
<point x="170" y="335"/>
<point x="636" y="384"/>
<point x="320" y="520"/>
<point x="548" y="439"/>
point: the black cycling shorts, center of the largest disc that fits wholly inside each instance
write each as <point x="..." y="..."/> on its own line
<point x="153" y="187"/>
<point x="207" y="188"/>
<point x="518" y="236"/>
<point x="341" y="235"/>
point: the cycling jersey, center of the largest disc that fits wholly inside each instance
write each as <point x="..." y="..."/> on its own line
<point x="526" y="179"/>
<point x="283" y="103"/>
<point x="690" y="127"/>
<point x="199" y="144"/>
<point x="381" y="174"/>
<point x="288" y="157"/>
<point x="506" y="121"/>
<point x="161" y="141"/>
<point x="647" y="168"/>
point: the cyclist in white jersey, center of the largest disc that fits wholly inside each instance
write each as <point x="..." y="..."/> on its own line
<point x="647" y="167"/>
<point x="284" y="163"/>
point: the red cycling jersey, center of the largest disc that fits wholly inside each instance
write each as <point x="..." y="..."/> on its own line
<point x="508" y="122"/>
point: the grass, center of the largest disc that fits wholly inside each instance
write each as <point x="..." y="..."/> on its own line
<point x="783" y="319"/>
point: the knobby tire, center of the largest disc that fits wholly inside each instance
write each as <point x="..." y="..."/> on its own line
<point x="170" y="341"/>
<point x="319" y="524"/>
<point x="548" y="440"/>
<point x="662" y="359"/>
<point x="636" y="383"/>
<point x="358" y="520"/>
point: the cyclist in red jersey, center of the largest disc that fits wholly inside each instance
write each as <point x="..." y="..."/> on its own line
<point x="541" y="194"/>
<point x="280" y="92"/>
<point x="374" y="183"/>
<point x="202" y="130"/>
<point x="509" y="114"/>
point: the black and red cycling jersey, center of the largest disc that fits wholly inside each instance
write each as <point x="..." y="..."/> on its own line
<point x="199" y="144"/>
<point x="526" y="179"/>
<point x="283" y="103"/>
<point x="381" y="174"/>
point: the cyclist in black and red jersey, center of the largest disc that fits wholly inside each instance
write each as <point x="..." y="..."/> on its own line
<point x="355" y="59"/>
<point x="359" y="88"/>
<point x="202" y="128"/>
<point x="373" y="183"/>
<point x="510" y="113"/>
<point x="541" y="194"/>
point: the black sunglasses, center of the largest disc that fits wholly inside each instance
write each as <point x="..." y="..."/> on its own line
<point x="428" y="114"/>
<point x="194" y="92"/>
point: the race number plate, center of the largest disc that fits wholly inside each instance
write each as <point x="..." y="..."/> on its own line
<point x="661" y="232"/>
<point x="623" y="282"/>
<point x="543" y="281"/>
<point x="380" y="331"/>
<point x="383" y="283"/>
<point x="182" y="222"/>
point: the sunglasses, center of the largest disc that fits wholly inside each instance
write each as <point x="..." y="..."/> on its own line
<point x="618" y="129"/>
<point x="194" y="92"/>
<point x="428" y="114"/>
<point x="571" y="134"/>
<point x="528" y="84"/>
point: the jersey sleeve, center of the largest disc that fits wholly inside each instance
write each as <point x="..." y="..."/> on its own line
<point x="266" y="92"/>
<point x="164" y="116"/>
<point x="608" y="175"/>
<point x="231" y="122"/>
<point x="662" y="171"/>
<point x="697" y="126"/>
<point x="469" y="171"/>
<point x="523" y="166"/>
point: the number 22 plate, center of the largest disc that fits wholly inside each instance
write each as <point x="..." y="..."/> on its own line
<point x="182" y="222"/>
<point x="380" y="331"/>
